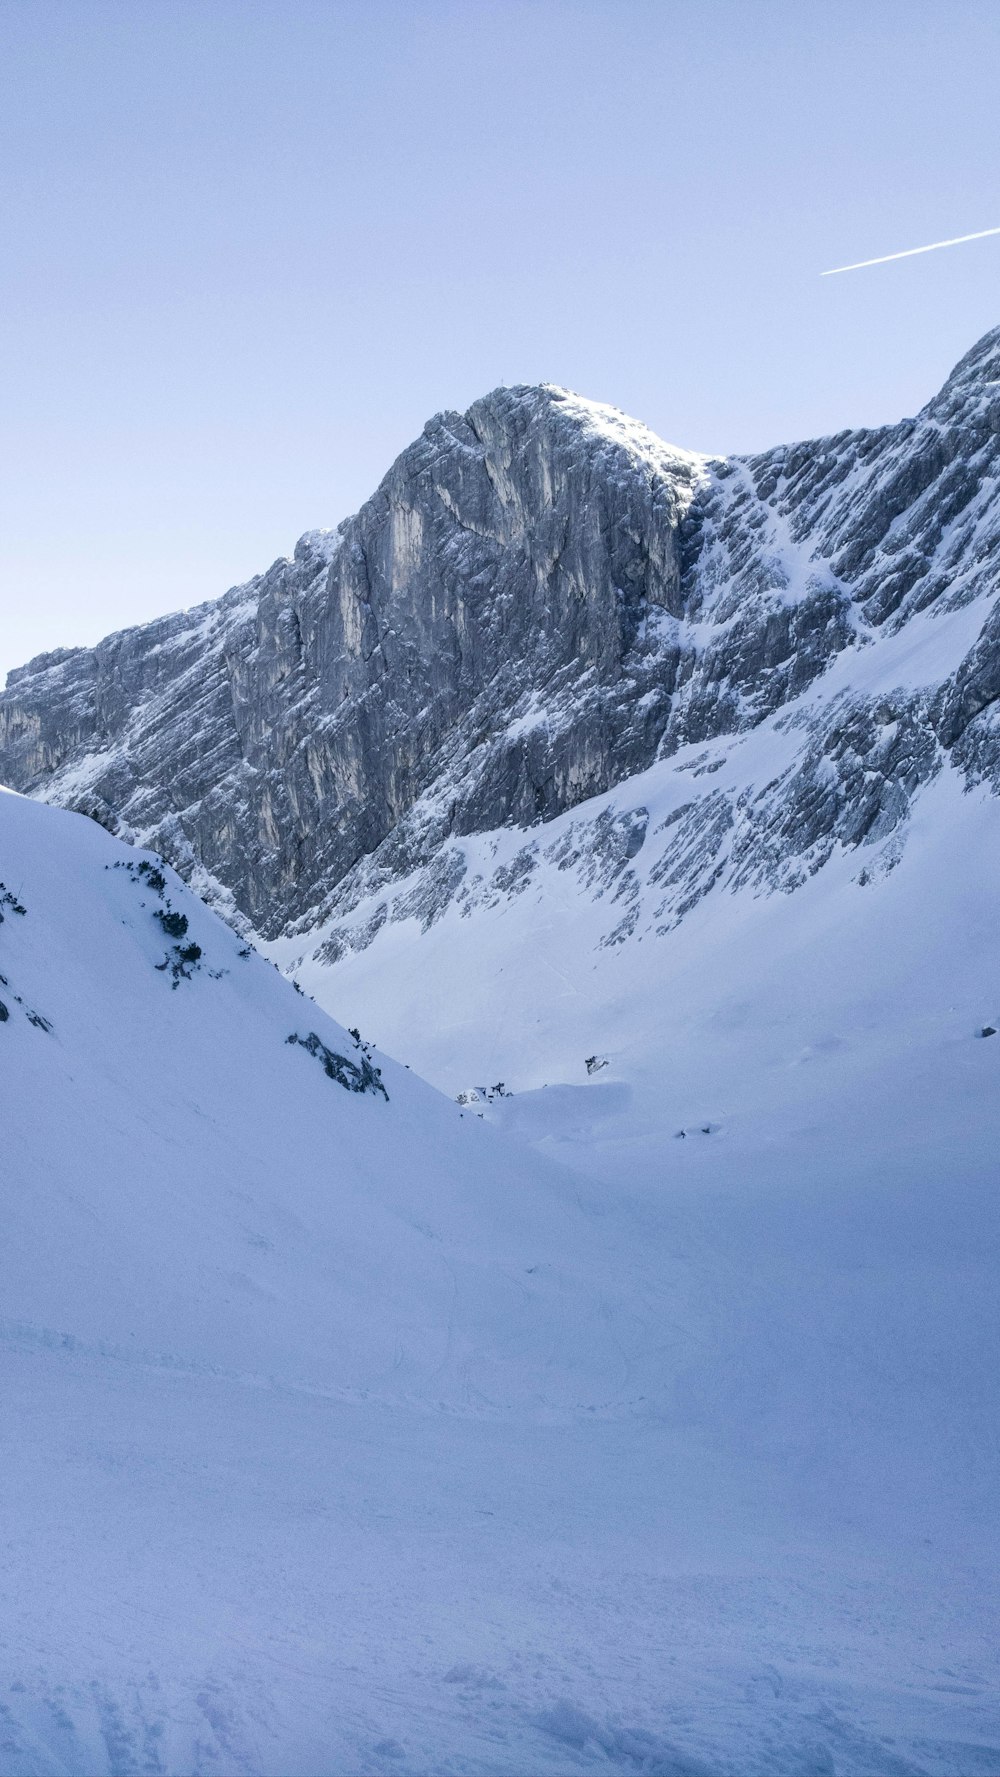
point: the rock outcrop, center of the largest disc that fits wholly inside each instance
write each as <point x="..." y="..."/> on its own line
<point x="539" y="601"/>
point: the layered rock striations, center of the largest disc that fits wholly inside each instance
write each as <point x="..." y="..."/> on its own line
<point x="539" y="601"/>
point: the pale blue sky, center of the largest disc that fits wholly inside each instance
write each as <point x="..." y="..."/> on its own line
<point x="250" y="246"/>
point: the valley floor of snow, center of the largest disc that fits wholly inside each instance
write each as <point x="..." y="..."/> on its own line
<point x="351" y="1436"/>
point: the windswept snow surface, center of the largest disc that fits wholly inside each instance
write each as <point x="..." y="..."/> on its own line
<point x="344" y="1435"/>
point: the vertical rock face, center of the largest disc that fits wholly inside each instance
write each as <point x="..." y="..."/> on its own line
<point x="539" y="600"/>
<point x="519" y="555"/>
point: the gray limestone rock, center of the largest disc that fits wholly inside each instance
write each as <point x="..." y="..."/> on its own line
<point x="539" y="601"/>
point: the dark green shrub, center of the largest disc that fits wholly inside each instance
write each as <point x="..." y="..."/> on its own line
<point x="174" y="924"/>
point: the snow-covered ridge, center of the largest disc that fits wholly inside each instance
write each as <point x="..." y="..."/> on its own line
<point x="610" y="423"/>
<point x="236" y="1245"/>
<point x="161" y="1039"/>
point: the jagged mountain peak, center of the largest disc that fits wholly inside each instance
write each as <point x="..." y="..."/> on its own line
<point x="540" y="599"/>
<point x="978" y="369"/>
<point x="514" y="406"/>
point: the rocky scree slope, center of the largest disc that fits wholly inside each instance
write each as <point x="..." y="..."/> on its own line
<point x="540" y="601"/>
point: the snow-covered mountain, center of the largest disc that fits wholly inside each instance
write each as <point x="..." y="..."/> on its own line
<point x="540" y="601"/>
<point x="554" y="673"/>
<point x="645" y="1419"/>
<point x="342" y="1433"/>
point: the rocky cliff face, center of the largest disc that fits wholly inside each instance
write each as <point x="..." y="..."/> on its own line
<point x="540" y="601"/>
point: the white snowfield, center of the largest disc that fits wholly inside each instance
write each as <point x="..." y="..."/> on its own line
<point x="353" y="1435"/>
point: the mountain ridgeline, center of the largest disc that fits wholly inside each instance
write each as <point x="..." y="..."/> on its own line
<point x="539" y="601"/>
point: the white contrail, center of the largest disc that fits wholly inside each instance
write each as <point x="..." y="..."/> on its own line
<point x="957" y="242"/>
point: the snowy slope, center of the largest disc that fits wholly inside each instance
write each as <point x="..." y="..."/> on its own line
<point x="802" y="1077"/>
<point x="696" y="934"/>
<point x="221" y="1202"/>
<point x="342" y="1434"/>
